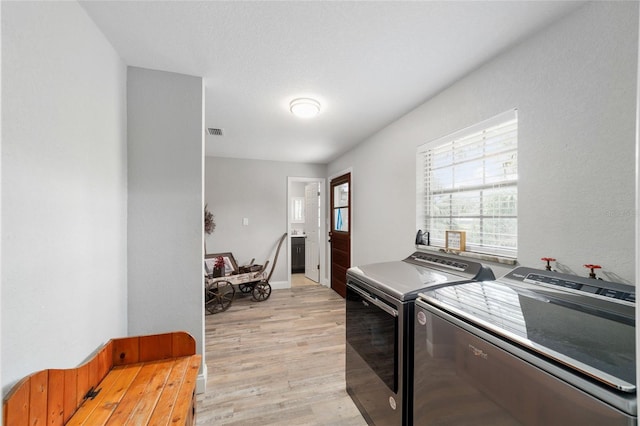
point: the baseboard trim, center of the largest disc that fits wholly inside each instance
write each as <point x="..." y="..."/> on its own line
<point x="277" y="285"/>
<point x="201" y="381"/>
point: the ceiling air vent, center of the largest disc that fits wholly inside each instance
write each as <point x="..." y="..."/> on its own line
<point x="214" y="132"/>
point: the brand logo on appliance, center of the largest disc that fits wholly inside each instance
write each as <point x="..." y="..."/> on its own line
<point x="478" y="352"/>
<point x="517" y="275"/>
<point x="392" y="403"/>
<point x="422" y="318"/>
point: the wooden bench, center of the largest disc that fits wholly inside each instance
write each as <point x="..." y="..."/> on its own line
<point x="134" y="380"/>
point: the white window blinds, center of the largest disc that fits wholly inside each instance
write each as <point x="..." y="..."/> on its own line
<point x="468" y="182"/>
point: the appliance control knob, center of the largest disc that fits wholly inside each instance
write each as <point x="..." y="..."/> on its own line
<point x="548" y="259"/>
<point x="592" y="267"/>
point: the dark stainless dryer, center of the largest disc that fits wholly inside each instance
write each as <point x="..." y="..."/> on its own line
<point x="379" y="328"/>
<point x="531" y="348"/>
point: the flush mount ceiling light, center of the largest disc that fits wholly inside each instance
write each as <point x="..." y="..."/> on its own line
<point x="304" y="107"/>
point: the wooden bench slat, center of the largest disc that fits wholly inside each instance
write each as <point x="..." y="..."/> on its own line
<point x="164" y="407"/>
<point x="16" y="408"/>
<point x="185" y="404"/>
<point x="96" y="411"/>
<point x="105" y="360"/>
<point x="55" y="398"/>
<point x="70" y="393"/>
<point x="123" y="380"/>
<point x="158" y="346"/>
<point x="125" y="351"/>
<point x="38" y="398"/>
<point x="136" y="393"/>
<point x="156" y="386"/>
<point x="82" y="383"/>
<point x="182" y="345"/>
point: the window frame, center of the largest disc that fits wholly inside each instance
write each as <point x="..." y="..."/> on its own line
<point x="422" y="196"/>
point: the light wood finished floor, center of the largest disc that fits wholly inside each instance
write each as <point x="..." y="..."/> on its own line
<point x="299" y="280"/>
<point x="278" y="362"/>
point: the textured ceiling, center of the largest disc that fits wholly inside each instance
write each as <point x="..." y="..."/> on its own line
<point x="368" y="63"/>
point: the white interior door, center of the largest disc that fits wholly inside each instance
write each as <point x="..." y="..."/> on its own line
<point x="312" y="231"/>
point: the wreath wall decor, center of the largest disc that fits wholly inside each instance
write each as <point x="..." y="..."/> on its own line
<point x="209" y="221"/>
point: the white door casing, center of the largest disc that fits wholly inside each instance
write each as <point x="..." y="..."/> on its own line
<point x="312" y="231"/>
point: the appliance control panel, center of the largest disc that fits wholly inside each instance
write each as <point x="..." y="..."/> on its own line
<point x="574" y="284"/>
<point x="454" y="264"/>
<point x="433" y="259"/>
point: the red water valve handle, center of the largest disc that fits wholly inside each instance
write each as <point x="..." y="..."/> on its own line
<point x="592" y="267"/>
<point x="548" y="259"/>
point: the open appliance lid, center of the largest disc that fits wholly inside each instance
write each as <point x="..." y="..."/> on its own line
<point x="403" y="280"/>
<point x="597" y="343"/>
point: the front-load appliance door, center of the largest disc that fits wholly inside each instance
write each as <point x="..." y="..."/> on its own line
<point x="373" y="355"/>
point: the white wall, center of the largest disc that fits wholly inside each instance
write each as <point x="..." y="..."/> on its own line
<point x="574" y="86"/>
<point x="63" y="188"/>
<point x="165" y="207"/>
<point x="256" y="190"/>
<point x="1" y="414"/>
<point x="637" y="211"/>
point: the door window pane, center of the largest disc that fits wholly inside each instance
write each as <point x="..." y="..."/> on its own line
<point x="341" y="195"/>
<point x="341" y="219"/>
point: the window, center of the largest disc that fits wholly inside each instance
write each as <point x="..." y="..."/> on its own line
<point x="468" y="181"/>
<point x="341" y="207"/>
<point x="297" y="209"/>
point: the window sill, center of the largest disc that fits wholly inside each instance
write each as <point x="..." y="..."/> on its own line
<point x="478" y="256"/>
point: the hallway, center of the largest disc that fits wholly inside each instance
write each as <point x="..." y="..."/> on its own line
<point x="278" y="362"/>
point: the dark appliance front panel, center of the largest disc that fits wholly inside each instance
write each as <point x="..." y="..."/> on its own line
<point x="372" y="332"/>
<point x="379" y="329"/>
<point x="465" y="375"/>
<point x="374" y="354"/>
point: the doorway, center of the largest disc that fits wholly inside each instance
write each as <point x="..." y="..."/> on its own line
<point x="306" y="249"/>
<point x="340" y="234"/>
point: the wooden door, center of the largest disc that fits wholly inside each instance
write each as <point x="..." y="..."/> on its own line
<point x="340" y="234"/>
